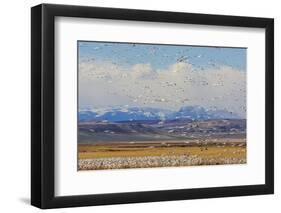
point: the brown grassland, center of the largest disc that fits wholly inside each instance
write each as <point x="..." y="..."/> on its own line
<point x="94" y="156"/>
<point x="87" y="151"/>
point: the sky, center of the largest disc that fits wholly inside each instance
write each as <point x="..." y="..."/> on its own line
<point x="161" y="56"/>
<point x="161" y="76"/>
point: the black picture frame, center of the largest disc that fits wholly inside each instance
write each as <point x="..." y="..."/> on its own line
<point x="43" y="102"/>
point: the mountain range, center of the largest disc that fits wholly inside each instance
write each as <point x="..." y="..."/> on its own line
<point x="121" y="114"/>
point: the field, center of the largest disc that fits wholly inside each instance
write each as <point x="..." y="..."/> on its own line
<point x="146" y="144"/>
<point x="161" y="154"/>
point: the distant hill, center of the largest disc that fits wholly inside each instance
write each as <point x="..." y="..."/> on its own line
<point x="102" y="131"/>
<point x="119" y="114"/>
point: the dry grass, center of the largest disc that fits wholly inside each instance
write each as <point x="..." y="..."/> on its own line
<point x="156" y="154"/>
<point x="227" y="150"/>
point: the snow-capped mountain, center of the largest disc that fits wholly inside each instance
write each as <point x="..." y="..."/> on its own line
<point x="200" y="113"/>
<point x="145" y="113"/>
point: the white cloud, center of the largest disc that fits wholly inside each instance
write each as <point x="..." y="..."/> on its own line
<point x="109" y="84"/>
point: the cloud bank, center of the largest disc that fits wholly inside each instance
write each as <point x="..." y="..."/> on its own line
<point x="106" y="84"/>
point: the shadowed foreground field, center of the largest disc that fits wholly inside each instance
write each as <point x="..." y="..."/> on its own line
<point x="156" y="154"/>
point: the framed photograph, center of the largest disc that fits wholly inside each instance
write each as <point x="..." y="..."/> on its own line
<point x="139" y="106"/>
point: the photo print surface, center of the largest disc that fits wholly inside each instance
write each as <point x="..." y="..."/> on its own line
<point x="160" y="105"/>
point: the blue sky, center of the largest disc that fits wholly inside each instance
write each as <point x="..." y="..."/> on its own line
<point x="161" y="56"/>
<point x="162" y="76"/>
